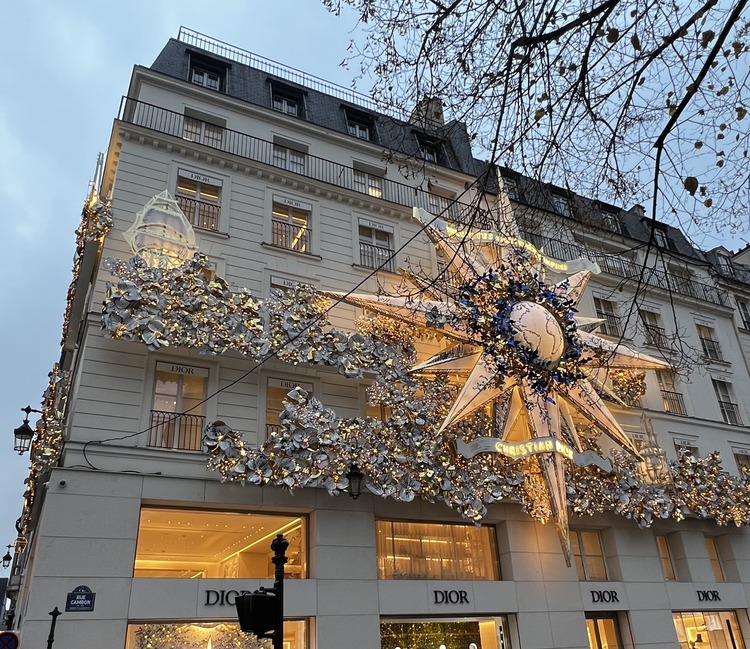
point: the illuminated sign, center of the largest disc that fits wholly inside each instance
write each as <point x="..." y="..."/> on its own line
<point x="520" y="450"/>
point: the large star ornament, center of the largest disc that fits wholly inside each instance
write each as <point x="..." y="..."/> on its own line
<point x="516" y="343"/>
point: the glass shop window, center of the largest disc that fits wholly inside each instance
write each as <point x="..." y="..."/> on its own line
<point x="193" y="543"/>
<point x="708" y="630"/>
<point x="603" y="631"/>
<point x="463" y="633"/>
<point x="436" y="551"/>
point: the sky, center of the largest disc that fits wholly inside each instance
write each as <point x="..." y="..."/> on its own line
<point x="67" y="65"/>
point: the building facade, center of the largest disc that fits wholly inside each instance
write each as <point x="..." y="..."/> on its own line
<point x="289" y="181"/>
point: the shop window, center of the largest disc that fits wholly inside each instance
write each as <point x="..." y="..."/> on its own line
<point x="603" y="631"/>
<point x="203" y="635"/>
<point x="199" y="198"/>
<point x="665" y="556"/>
<point x="198" y="543"/>
<point x="607" y="311"/>
<point x="290" y="225"/>
<point x="376" y="245"/>
<point x="589" y="555"/>
<point x="708" y="630"/>
<point x="709" y="344"/>
<point x="436" y="551"/>
<point x="177" y="413"/>
<point x="713" y="555"/>
<point x="463" y="633"/>
<point x="276" y="391"/>
<point x="730" y="410"/>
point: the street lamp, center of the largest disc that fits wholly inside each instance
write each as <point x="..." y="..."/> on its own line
<point x="355" y="476"/>
<point x="7" y="558"/>
<point x="55" y="613"/>
<point x="262" y="612"/>
<point x="23" y="435"/>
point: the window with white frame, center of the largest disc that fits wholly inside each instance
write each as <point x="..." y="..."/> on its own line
<point x="376" y="245"/>
<point x="725" y="265"/>
<point x="714" y="557"/>
<point x="177" y="412"/>
<point x="653" y="330"/>
<point x="199" y="197"/>
<point x="743" y="306"/>
<point x="674" y="403"/>
<point x="289" y="159"/>
<point x="198" y="130"/>
<point x="205" y="78"/>
<point x="742" y="458"/>
<point x="607" y="310"/>
<point x="359" y="124"/>
<point x="665" y="556"/>
<point x="709" y="344"/>
<point x="367" y="183"/>
<point x="730" y="411"/>
<point x="443" y="206"/>
<point x="429" y="148"/>
<point x="290" y="224"/>
<point x="207" y="72"/>
<point x="588" y="552"/>
<point x="276" y="393"/>
<point x="287" y="100"/>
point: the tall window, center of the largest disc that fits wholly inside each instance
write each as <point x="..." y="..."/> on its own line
<point x="607" y="311"/>
<point x="725" y="265"/>
<point x="199" y="543"/>
<point x="673" y="400"/>
<point x="177" y="414"/>
<point x="291" y="226"/>
<point x="376" y="246"/>
<point x="511" y="187"/>
<point x="589" y="555"/>
<point x="730" y="411"/>
<point x="709" y="344"/>
<point x="665" y="556"/>
<point x="603" y="631"/>
<point x="199" y="197"/>
<point x="409" y="550"/>
<point x="655" y="334"/>
<point x="276" y="391"/>
<point x="744" y="308"/>
<point x="197" y="130"/>
<point x="713" y="555"/>
<point x="289" y="159"/>
<point x="442" y="205"/>
<point x="366" y="183"/>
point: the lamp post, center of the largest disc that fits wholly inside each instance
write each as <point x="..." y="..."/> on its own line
<point x="7" y="558"/>
<point x="355" y="477"/>
<point x="23" y="435"/>
<point x="55" y="613"/>
<point x="262" y="612"/>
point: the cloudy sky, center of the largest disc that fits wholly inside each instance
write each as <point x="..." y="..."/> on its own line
<point x="67" y="64"/>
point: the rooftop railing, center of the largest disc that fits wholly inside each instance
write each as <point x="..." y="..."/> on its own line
<point x="238" y="55"/>
<point x="246" y="146"/>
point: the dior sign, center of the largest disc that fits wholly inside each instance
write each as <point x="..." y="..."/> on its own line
<point x="223" y="597"/>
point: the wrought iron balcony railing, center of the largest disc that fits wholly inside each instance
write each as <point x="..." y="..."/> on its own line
<point x="673" y="402"/>
<point x="290" y="236"/>
<point x="656" y="336"/>
<point x="611" y="325"/>
<point x="375" y="256"/>
<point x="616" y="265"/>
<point x="730" y="412"/>
<point x="176" y="431"/>
<point x="200" y="213"/>
<point x="246" y="146"/>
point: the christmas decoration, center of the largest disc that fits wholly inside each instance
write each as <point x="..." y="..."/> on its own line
<point x="196" y="636"/>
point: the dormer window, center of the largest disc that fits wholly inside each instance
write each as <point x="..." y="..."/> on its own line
<point x="725" y="265"/>
<point x="613" y="222"/>
<point x="289" y="101"/>
<point x="359" y="124"/>
<point x="562" y="205"/>
<point x="207" y="72"/>
<point x="429" y="148"/>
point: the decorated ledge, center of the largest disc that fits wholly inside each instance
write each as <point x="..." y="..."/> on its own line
<point x="520" y="380"/>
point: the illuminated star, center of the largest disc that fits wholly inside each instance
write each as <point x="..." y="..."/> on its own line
<point x="517" y="343"/>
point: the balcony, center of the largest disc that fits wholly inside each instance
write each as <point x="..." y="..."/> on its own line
<point x="674" y="403"/>
<point x="175" y="431"/>
<point x="290" y="236"/>
<point x="711" y="349"/>
<point x="620" y="267"/>
<point x="656" y="336"/>
<point x="610" y="326"/>
<point x="199" y="213"/>
<point x="375" y="257"/>
<point x="245" y="146"/>
<point x="730" y="412"/>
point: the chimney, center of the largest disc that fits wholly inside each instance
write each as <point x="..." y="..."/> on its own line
<point x="428" y="114"/>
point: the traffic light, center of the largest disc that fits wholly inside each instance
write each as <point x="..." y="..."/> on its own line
<point x="257" y="613"/>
